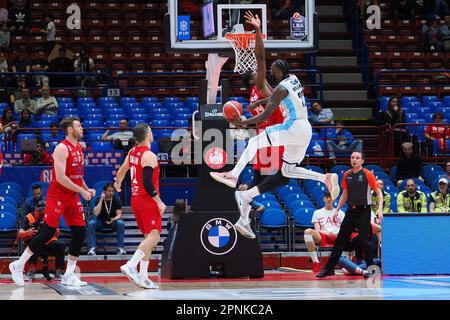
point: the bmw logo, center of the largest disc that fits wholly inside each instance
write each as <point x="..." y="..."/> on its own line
<point x="218" y="236"/>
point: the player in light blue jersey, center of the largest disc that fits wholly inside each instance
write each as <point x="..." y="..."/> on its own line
<point x="294" y="134"/>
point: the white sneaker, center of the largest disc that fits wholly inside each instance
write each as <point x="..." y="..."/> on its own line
<point x="333" y="185"/>
<point x="244" y="229"/>
<point x="91" y="252"/>
<point x="243" y="204"/>
<point x="17" y="273"/>
<point x="72" y="280"/>
<point x="131" y="273"/>
<point x="146" y="283"/>
<point x="224" y="177"/>
<point x="121" y="252"/>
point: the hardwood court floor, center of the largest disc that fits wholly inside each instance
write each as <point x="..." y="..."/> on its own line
<point x="274" y="286"/>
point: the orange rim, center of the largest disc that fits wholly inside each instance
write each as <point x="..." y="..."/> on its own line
<point x="242" y="40"/>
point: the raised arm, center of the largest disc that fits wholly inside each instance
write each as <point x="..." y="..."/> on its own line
<point x="260" y="54"/>
<point x="274" y="101"/>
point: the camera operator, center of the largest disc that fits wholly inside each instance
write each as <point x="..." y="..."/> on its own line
<point x="30" y="227"/>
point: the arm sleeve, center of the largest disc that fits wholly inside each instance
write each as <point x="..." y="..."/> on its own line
<point x="344" y="180"/>
<point x="147" y="181"/>
<point x="372" y="180"/>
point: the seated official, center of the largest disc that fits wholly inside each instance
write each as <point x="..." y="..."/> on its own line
<point x="325" y="231"/>
<point x="107" y="215"/>
<point x="440" y="200"/>
<point x="386" y="199"/>
<point x="411" y="200"/>
<point x="30" y="203"/>
<point x="30" y="227"/>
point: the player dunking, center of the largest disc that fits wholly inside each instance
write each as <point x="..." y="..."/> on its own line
<point x="294" y="134"/>
<point x="145" y="202"/>
<point x="62" y="198"/>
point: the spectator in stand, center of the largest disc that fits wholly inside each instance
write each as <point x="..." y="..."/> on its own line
<point x="62" y="64"/>
<point x="436" y="132"/>
<point x="403" y="9"/>
<point x="447" y="169"/>
<point x="30" y="203"/>
<point x="440" y="200"/>
<point x="439" y="8"/>
<point x="7" y="121"/>
<point x="326" y="229"/>
<point x="25" y="102"/>
<point x="3" y="63"/>
<point x="50" y="31"/>
<point x="3" y="11"/>
<point x="393" y="115"/>
<point x="5" y="36"/>
<point x="282" y="9"/>
<point x="411" y="200"/>
<point x="320" y="116"/>
<point x="444" y="34"/>
<point x="20" y="63"/>
<point x="84" y="64"/>
<point x="55" y="137"/>
<point x="39" y="158"/>
<point x="120" y="138"/>
<point x="386" y="199"/>
<point x="430" y="33"/>
<point x="19" y="17"/>
<point x="26" y="119"/>
<point x="343" y="142"/>
<point x="419" y="9"/>
<point x="46" y="104"/>
<point x="108" y="214"/>
<point x="409" y="165"/>
<point x="40" y="64"/>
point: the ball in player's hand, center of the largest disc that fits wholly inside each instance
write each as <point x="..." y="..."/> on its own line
<point x="296" y="15"/>
<point x="232" y="110"/>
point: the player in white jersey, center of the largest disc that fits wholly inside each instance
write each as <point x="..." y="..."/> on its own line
<point x="294" y="134"/>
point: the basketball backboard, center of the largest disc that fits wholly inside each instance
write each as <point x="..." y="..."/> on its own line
<point x="202" y="28"/>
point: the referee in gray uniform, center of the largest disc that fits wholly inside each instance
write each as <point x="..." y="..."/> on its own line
<point x="357" y="184"/>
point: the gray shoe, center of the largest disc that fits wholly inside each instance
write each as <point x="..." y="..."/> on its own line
<point x="91" y="252"/>
<point x="131" y="273"/>
<point x="30" y="275"/>
<point x="121" y="252"/>
<point x="244" y="229"/>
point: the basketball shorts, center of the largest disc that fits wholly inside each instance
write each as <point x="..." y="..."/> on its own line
<point x="295" y="136"/>
<point x="327" y="240"/>
<point x="68" y="205"/>
<point x="146" y="213"/>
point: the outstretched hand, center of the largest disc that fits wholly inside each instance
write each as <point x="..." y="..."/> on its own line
<point x="252" y="19"/>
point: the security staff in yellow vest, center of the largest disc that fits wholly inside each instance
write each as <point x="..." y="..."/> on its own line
<point x="386" y="199"/>
<point x="440" y="200"/>
<point x="30" y="227"/>
<point x="411" y="200"/>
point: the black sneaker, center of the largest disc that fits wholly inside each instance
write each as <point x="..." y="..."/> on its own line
<point x="325" y="273"/>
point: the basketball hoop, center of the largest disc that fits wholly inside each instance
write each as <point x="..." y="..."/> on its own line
<point x="244" y="49"/>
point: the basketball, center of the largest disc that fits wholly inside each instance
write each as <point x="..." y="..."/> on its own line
<point x="232" y="110"/>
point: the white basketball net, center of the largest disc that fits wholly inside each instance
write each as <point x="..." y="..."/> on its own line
<point x="244" y="49"/>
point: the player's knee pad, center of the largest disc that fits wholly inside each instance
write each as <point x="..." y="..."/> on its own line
<point x="78" y="235"/>
<point x="44" y="235"/>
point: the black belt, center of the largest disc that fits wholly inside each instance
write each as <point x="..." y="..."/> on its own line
<point x="359" y="207"/>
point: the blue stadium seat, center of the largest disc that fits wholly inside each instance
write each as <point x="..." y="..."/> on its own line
<point x="317" y="193"/>
<point x="294" y="183"/>
<point x="381" y="175"/>
<point x="7" y="200"/>
<point x="25" y="136"/>
<point x="160" y="123"/>
<point x="92" y="136"/>
<point x="101" y="146"/>
<point x="83" y="100"/>
<point x="411" y="117"/>
<point x="8" y="220"/>
<point x="92" y="123"/>
<point x="446" y="101"/>
<point x="273" y="218"/>
<point x="430" y="169"/>
<point x="116" y="110"/>
<point x="314" y="168"/>
<point x="295" y="197"/>
<point x="303" y="217"/>
<point x="155" y="147"/>
<point x="130" y="107"/>
<point x="150" y="106"/>
<point x="168" y="100"/>
<point x="340" y="169"/>
<point x="426" y="99"/>
<point x="162" y="116"/>
<point x="412" y="106"/>
<point x="125" y="100"/>
<point x="11" y="186"/>
<point x="266" y="197"/>
<point x="14" y="194"/>
<point x="174" y="105"/>
<point x="115" y="116"/>
<point x="425" y="190"/>
<point x="43" y="124"/>
<point x="394" y="206"/>
<point x="149" y="100"/>
<point x="175" y="111"/>
<point x="284" y="191"/>
<point x="406" y="99"/>
<point x="94" y="116"/>
<point x="191" y="99"/>
<point x="316" y="148"/>
<point x="182" y="116"/>
<point x="181" y="123"/>
<point x="62" y="225"/>
<point x="8" y="208"/>
<point x="271" y="204"/>
<point x="310" y="185"/>
<point x="104" y="100"/>
<point x="139" y="117"/>
<point x="64" y="100"/>
<point x="294" y="205"/>
<point x="374" y="168"/>
<point x="237" y="98"/>
<point x="133" y="122"/>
